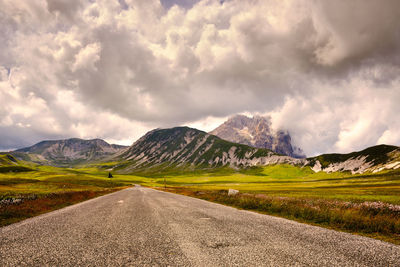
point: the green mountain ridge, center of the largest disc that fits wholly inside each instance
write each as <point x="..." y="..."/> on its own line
<point x="371" y="159"/>
<point x="192" y="149"/>
<point x="7" y="160"/>
<point x="377" y="154"/>
<point x="8" y="163"/>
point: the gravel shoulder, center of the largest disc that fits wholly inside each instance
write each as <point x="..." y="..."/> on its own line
<point x="145" y="227"/>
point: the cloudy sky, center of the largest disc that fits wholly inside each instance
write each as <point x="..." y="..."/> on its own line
<point x="328" y="71"/>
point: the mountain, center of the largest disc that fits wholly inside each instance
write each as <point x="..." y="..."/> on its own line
<point x="373" y="159"/>
<point x="183" y="149"/>
<point x="68" y="152"/>
<point x="186" y="148"/>
<point x="257" y="132"/>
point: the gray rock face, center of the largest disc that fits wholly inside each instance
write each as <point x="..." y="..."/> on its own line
<point x="257" y="132"/>
<point x="71" y="151"/>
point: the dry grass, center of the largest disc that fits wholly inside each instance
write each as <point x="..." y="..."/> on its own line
<point x="374" y="219"/>
<point x="18" y="209"/>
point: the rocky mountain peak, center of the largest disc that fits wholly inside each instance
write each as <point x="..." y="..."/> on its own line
<point x="257" y="132"/>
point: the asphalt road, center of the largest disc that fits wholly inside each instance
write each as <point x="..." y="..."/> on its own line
<point x="145" y="227"/>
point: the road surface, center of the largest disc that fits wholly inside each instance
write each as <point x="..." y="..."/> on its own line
<point x="144" y="227"/>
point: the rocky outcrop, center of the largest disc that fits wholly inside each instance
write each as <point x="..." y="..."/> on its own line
<point x="373" y="159"/>
<point x="257" y="132"/>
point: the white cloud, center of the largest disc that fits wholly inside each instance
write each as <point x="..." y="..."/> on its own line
<point x="335" y="120"/>
<point x="87" y="58"/>
<point x="327" y="71"/>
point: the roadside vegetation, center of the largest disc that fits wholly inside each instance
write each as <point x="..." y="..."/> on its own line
<point x="366" y="204"/>
<point x="373" y="219"/>
<point x="30" y="190"/>
<point x="25" y="206"/>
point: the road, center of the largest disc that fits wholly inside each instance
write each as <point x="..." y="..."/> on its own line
<point x="144" y="227"/>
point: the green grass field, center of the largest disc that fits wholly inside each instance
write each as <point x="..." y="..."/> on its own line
<point x="277" y="180"/>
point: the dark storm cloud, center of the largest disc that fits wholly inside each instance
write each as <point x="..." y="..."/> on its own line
<point x="183" y="3"/>
<point x="67" y="8"/>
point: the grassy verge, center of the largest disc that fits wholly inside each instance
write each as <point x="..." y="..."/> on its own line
<point x="373" y="219"/>
<point x="15" y="209"/>
<point x="42" y="189"/>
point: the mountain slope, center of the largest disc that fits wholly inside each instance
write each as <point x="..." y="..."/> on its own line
<point x="68" y="152"/>
<point x="257" y="132"/>
<point x="7" y="160"/>
<point x="187" y="148"/>
<point x="8" y="163"/>
<point x="372" y="159"/>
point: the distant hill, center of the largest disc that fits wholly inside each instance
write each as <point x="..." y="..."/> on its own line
<point x="9" y="163"/>
<point x="372" y="159"/>
<point x="192" y="149"/>
<point x="7" y="160"/>
<point x="68" y="152"/>
<point x="257" y="132"/>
